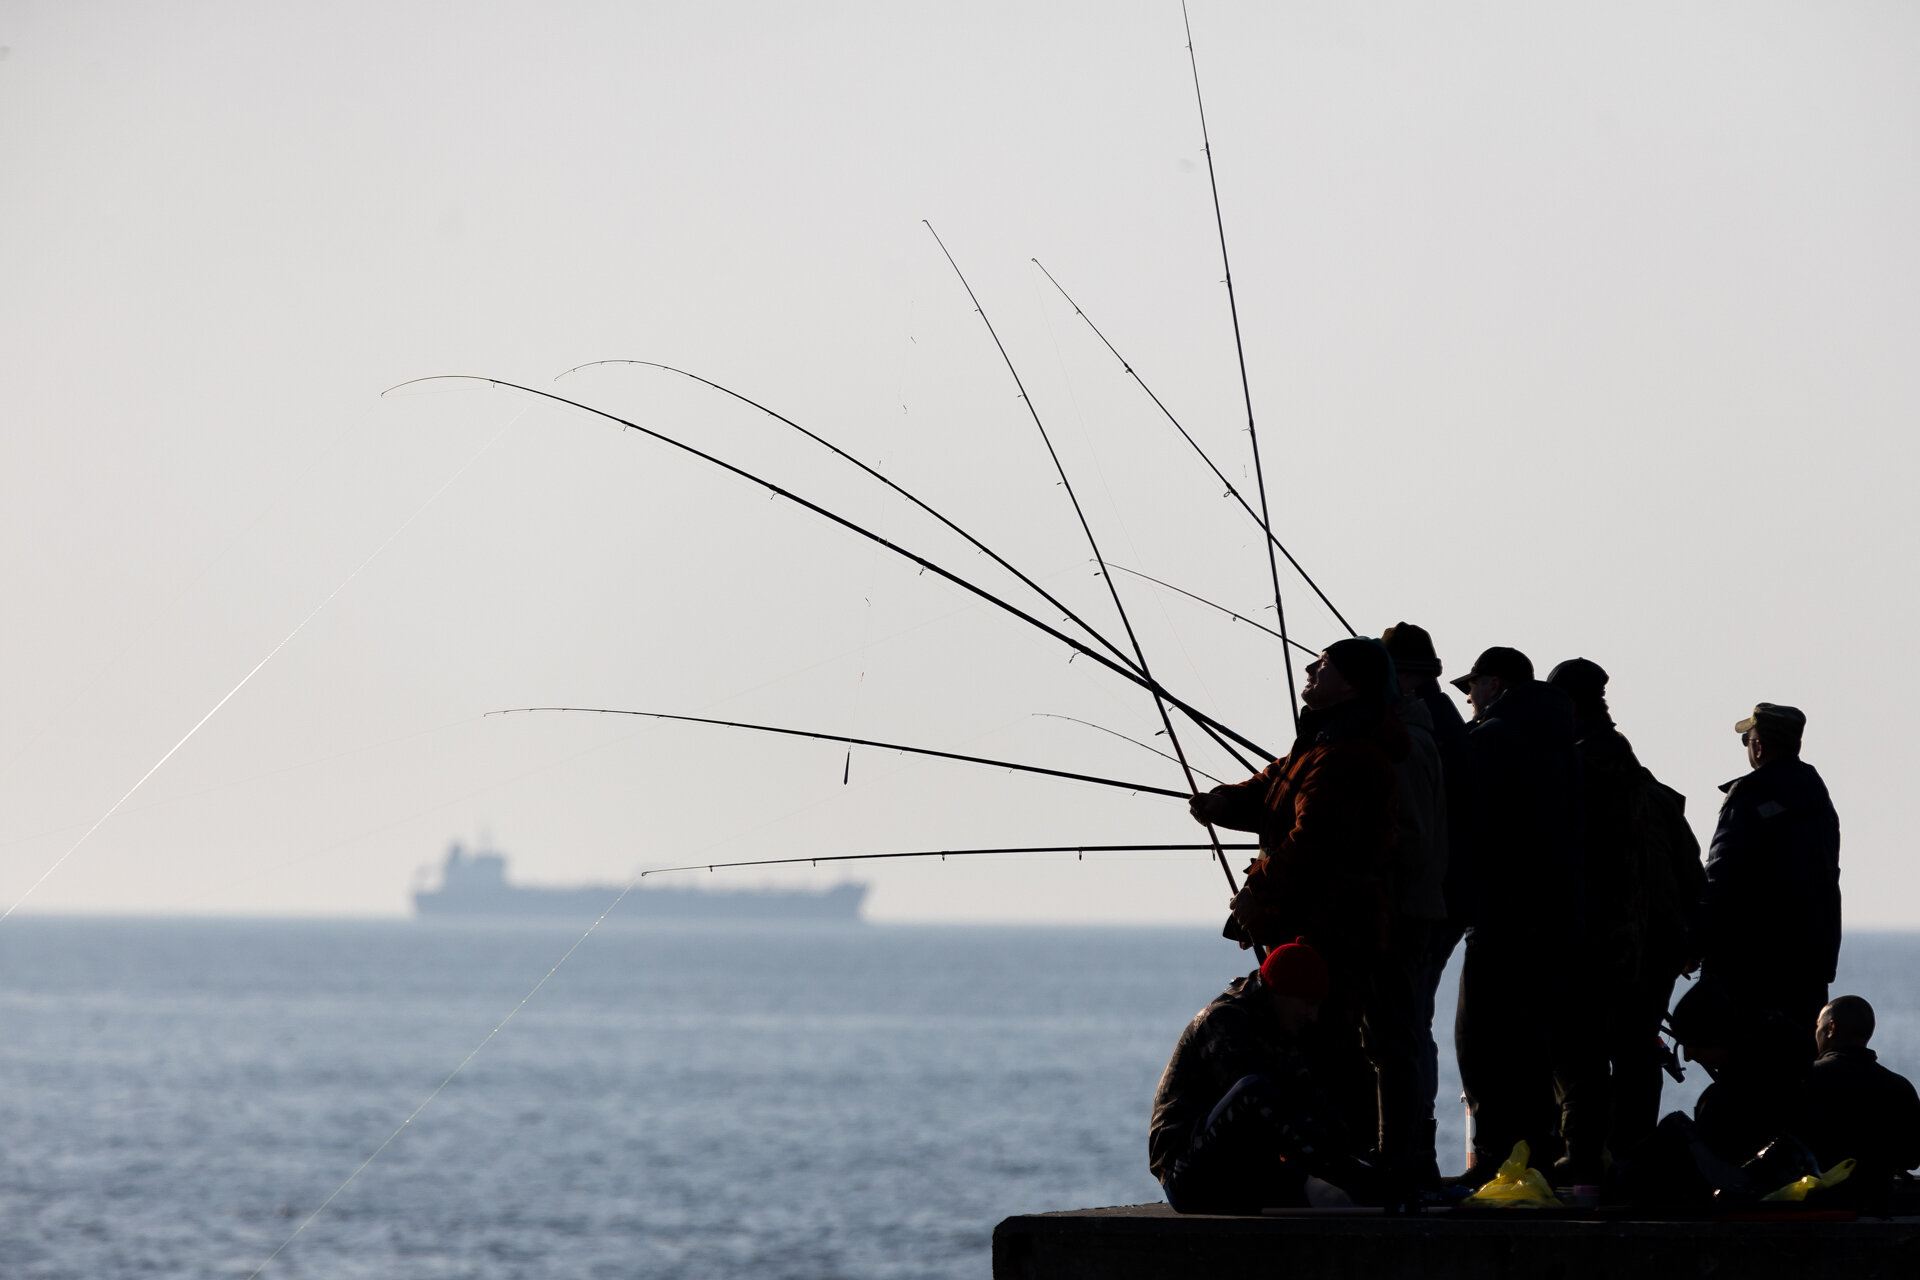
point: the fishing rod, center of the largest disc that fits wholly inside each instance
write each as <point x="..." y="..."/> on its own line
<point x="838" y="452"/>
<point x="995" y="556"/>
<point x="1050" y="715"/>
<point x="1140" y="656"/>
<point x="1232" y="492"/>
<point x="1246" y="388"/>
<point x="944" y="854"/>
<point x="1222" y="608"/>
<point x="860" y="742"/>
<point x="1124" y="672"/>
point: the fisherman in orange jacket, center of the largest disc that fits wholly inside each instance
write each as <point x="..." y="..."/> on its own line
<point x="1325" y="817"/>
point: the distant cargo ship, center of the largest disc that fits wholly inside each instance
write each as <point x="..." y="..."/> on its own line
<point x="475" y="884"/>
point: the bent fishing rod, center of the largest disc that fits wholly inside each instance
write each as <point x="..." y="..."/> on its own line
<point x="1232" y="491"/>
<point x="995" y="556"/>
<point x="1246" y="388"/>
<point x="838" y="452"/>
<point x="1140" y="656"/>
<point x="859" y="742"/>
<point x="1222" y="608"/>
<point x="972" y="588"/>
<point x="944" y="854"/>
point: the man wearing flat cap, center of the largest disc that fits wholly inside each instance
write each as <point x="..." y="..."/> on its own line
<point x="1771" y="923"/>
<point x="1512" y="1022"/>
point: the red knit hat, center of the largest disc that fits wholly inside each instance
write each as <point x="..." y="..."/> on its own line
<point x="1296" y="969"/>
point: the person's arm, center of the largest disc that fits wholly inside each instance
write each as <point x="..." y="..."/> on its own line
<point x="1903" y="1129"/>
<point x="1239" y="806"/>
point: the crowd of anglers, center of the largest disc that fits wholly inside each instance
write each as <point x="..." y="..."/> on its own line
<point x="1394" y="832"/>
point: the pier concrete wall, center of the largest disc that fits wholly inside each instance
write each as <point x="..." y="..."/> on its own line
<point x="1151" y="1242"/>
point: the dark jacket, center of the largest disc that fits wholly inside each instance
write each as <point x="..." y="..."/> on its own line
<point x="1238" y="1034"/>
<point x="1760" y="1093"/>
<point x="1643" y="874"/>
<point x="1325" y="816"/>
<point x="1528" y="814"/>
<point x="1859" y="1110"/>
<point x="1418" y="874"/>
<point x="1462" y="886"/>
<point x="1773" y="878"/>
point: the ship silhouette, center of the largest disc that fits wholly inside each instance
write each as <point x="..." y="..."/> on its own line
<point x="475" y="884"/>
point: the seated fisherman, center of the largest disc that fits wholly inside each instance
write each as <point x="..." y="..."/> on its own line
<point x="1238" y="1121"/>
<point x="1856" y="1108"/>
<point x="1754" y="1105"/>
<point x="1758" y="1068"/>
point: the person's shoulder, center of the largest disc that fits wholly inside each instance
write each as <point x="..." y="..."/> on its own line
<point x="1802" y="780"/>
<point x="1234" y="1001"/>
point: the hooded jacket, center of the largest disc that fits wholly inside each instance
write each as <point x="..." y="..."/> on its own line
<point x="1324" y="813"/>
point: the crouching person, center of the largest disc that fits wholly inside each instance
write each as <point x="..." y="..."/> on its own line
<point x="1239" y="1122"/>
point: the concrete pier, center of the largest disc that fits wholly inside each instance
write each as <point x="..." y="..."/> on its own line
<point x="1151" y="1242"/>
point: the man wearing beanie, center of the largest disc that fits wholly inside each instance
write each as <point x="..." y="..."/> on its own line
<point x="1428" y="852"/>
<point x="1238" y="1120"/>
<point x="1644" y="887"/>
<point x="1771" y="927"/>
<point x="1324" y="814"/>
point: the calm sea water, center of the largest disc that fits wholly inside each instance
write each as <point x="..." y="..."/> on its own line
<point x="177" y="1096"/>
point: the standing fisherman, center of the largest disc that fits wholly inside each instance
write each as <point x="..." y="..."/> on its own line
<point x="1772" y="923"/>
<point x="1526" y="778"/>
<point x="1644" y="886"/>
<point x="1324" y="815"/>
<point x="1433" y="861"/>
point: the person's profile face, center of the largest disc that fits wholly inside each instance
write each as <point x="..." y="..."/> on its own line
<point x="1325" y="685"/>
<point x="1482" y="692"/>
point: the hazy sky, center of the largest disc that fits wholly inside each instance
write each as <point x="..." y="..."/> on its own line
<point x="1589" y="330"/>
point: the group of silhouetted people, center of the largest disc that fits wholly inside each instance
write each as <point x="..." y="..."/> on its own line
<point x="1394" y="831"/>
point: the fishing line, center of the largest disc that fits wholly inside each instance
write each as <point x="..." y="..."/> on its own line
<point x="1133" y="640"/>
<point x="439" y="1088"/>
<point x="548" y="976"/>
<point x="257" y="777"/>
<point x="1222" y="608"/>
<point x="145" y="631"/>
<point x="1126" y="672"/>
<point x="1051" y="715"/>
<point x="258" y="666"/>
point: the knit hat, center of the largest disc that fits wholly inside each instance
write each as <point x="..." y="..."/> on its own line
<point x="1296" y="969"/>
<point x="1366" y="666"/>
<point x="1412" y="649"/>
<point x="1583" y="678"/>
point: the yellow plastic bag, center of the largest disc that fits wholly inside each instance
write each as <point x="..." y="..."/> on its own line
<point x="1801" y="1188"/>
<point x="1517" y="1186"/>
